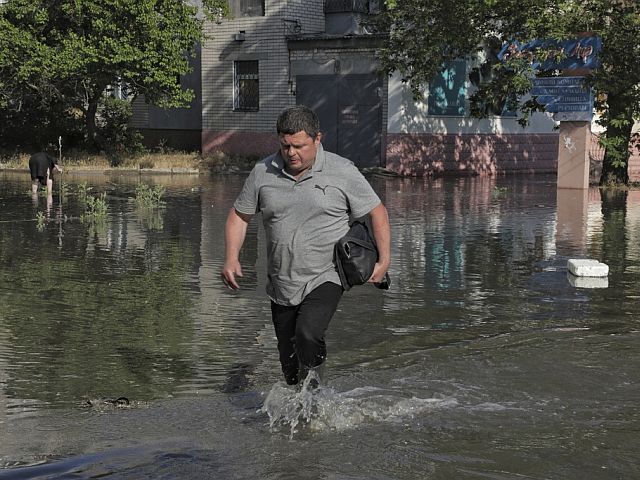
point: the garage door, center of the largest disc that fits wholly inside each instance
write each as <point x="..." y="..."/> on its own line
<point x="350" y="112"/>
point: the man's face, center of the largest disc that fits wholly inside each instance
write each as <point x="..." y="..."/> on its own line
<point x="299" y="151"/>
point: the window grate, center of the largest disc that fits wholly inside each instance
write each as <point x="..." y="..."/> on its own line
<point x="247" y="8"/>
<point x="341" y="6"/>
<point x="246" y="95"/>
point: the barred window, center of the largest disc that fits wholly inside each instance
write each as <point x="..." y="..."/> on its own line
<point x="246" y="95"/>
<point x="339" y="6"/>
<point x="247" y="8"/>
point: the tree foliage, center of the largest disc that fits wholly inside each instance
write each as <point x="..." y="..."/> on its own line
<point x="424" y="34"/>
<point x="59" y="59"/>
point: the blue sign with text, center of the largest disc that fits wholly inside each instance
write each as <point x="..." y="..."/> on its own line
<point x="578" y="53"/>
<point x="564" y="95"/>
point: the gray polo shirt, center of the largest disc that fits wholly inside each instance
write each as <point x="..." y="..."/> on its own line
<point x="304" y="219"/>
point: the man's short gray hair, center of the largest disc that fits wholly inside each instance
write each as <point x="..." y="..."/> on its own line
<point x="298" y="118"/>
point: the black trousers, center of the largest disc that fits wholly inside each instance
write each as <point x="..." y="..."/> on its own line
<point x="301" y="329"/>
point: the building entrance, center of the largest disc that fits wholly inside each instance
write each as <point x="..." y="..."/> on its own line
<point x="350" y="112"/>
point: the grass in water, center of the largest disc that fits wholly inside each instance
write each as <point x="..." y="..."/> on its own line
<point x="41" y="221"/>
<point x="149" y="197"/>
<point x="96" y="208"/>
<point x="499" y="192"/>
<point x="64" y="189"/>
<point x="82" y="190"/>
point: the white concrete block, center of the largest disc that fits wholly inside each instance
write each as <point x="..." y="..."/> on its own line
<point x="585" y="267"/>
<point x="587" y="282"/>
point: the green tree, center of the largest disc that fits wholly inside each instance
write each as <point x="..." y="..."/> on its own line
<point x="63" y="56"/>
<point x="424" y="34"/>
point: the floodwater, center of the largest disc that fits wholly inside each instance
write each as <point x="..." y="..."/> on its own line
<point x="485" y="359"/>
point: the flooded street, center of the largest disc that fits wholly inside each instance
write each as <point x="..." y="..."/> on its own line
<point x="485" y="359"/>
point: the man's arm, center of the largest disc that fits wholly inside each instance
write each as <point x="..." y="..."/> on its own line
<point x="382" y="234"/>
<point x="53" y="164"/>
<point x="235" y="231"/>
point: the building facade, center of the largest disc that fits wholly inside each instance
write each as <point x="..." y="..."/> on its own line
<point x="271" y="54"/>
<point x="436" y="134"/>
<point x="175" y="128"/>
<point x="246" y="73"/>
<point x="275" y="54"/>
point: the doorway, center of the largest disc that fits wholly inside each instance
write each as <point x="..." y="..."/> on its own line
<point x="350" y="111"/>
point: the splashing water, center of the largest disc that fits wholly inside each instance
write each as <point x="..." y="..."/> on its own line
<point x="323" y="408"/>
<point x="287" y="406"/>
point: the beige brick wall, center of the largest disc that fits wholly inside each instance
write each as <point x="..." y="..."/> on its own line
<point x="265" y="41"/>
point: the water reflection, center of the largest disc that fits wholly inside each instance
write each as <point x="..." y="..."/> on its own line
<point x="460" y="242"/>
<point x="133" y="305"/>
<point x="481" y="313"/>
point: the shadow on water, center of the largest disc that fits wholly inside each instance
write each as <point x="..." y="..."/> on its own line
<point x="482" y="361"/>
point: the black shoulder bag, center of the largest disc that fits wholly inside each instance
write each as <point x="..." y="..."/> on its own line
<point x="355" y="255"/>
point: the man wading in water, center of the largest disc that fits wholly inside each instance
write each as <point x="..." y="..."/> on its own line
<point x="305" y="196"/>
<point x="41" y="166"/>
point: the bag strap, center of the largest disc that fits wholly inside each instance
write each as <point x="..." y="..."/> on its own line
<point x="357" y="241"/>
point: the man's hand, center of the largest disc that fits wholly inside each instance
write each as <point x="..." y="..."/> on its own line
<point x="382" y="234"/>
<point x="230" y="270"/>
<point x="234" y="232"/>
<point x="379" y="271"/>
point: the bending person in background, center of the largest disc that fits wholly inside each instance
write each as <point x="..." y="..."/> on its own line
<point x="306" y="197"/>
<point x="42" y="166"/>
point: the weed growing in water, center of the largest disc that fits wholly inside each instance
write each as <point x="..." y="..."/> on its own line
<point x="83" y="191"/>
<point x="96" y="208"/>
<point x="499" y="192"/>
<point x="149" y="197"/>
<point x="41" y="220"/>
<point x="64" y="189"/>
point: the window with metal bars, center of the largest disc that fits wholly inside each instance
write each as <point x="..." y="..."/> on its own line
<point x="246" y="95"/>
<point x="340" y="6"/>
<point x="247" y="8"/>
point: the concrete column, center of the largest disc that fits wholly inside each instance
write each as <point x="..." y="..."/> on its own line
<point x="572" y="219"/>
<point x="573" y="155"/>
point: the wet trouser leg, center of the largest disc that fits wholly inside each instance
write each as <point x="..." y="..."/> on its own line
<point x="301" y="329"/>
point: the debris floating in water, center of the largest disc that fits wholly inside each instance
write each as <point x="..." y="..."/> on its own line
<point x="585" y="267"/>
<point x="105" y="404"/>
<point x="587" y="273"/>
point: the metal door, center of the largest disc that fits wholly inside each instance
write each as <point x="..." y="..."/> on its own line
<point x="350" y="112"/>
